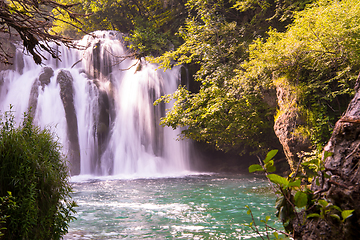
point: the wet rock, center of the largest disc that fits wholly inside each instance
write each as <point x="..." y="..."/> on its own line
<point x="9" y="48"/>
<point x="65" y="80"/>
<point x="15" y="58"/>
<point x="158" y="112"/>
<point x="45" y="76"/>
<point x="43" y="80"/>
<point x="103" y="126"/>
<point x="101" y="66"/>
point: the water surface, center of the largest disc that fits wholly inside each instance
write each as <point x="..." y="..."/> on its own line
<point x="191" y="207"/>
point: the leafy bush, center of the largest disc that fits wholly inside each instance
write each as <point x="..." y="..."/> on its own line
<point x="34" y="171"/>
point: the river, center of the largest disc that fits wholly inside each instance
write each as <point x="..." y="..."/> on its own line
<point x="210" y="206"/>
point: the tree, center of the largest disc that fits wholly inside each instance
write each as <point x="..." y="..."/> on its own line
<point x="318" y="56"/>
<point x="230" y="111"/>
<point x="32" y="22"/>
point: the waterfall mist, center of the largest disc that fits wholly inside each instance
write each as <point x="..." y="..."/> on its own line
<point x="100" y="108"/>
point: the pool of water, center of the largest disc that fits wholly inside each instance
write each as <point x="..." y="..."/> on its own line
<point x="191" y="207"/>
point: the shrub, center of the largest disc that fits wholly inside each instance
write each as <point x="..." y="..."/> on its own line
<point x="34" y="172"/>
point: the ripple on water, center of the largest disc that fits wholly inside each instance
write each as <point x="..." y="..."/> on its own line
<point x="196" y="207"/>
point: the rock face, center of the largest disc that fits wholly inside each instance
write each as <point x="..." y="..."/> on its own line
<point x="342" y="188"/>
<point x="65" y="80"/>
<point x="43" y="80"/>
<point x="344" y="166"/>
<point x="16" y="61"/>
<point x="289" y="119"/>
<point x="103" y="126"/>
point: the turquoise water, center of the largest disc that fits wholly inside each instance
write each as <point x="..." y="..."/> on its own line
<point x="191" y="207"/>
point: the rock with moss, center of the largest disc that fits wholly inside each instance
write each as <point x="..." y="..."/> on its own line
<point x="287" y="124"/>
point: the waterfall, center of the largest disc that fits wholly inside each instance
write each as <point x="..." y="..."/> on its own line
<point x="100" y="106"/>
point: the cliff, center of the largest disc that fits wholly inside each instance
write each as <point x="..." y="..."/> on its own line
<point x="342" y="187"/>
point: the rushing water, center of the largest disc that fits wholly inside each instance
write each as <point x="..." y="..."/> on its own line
<point x="99" y="102"/>
<point x="191" y="207"/>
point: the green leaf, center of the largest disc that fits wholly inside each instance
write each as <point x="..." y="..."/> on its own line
<point x="336" y="207"/>
<point x="295" y="183"/>
<point x="327" y="154"/>
<point x="248" y="211"/>
<point x="313" y="215"/>
<point x="279" y="202"/>
<point x="276" y="235"/>
<point x="270" y="155"/>
<point x="300" y="199"/>
<point x="346" y="214"/>
<point x="255" y="168"/>
<point x="335" y="216"/>
<point x="269" y="164"/>
<point x="271" y="169"/>
<point x="323" y="203"/>
<point x="278" y="179"/>
<point x="267" y="218"/>
<point x="283" y="213"/>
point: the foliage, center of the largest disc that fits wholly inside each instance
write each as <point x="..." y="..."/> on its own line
<point x="34" y="172"/>
<point x="230" y="111"/>
<point x="150" y="25"/>
<point x="7" y="203"/>
<point x="32" y="21"/>
<point x="296" y="199"/>
<point x="319" y="56"/>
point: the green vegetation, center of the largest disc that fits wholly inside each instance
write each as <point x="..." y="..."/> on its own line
<point x="319" y="56"/>
<point x="242" y="52"/>
<point x="150" y="25"/>
<point x="232" y="110"/>
<point x="316" y="55"/>
<point x="296" y="202"/>
<point x="34" y="188"/>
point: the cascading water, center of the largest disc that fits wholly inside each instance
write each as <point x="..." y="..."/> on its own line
<point x="101" y="108"/>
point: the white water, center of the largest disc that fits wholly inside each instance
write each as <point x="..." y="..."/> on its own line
<point x="115" y="129"/>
